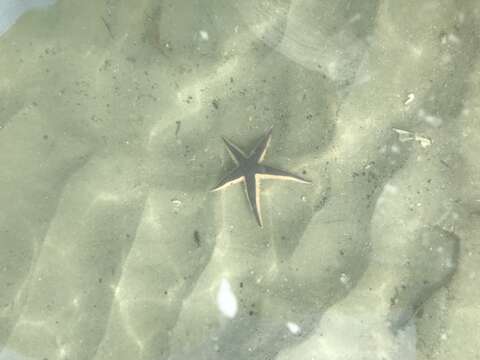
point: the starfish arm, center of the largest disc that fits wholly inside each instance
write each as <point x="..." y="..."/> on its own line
<point x="253" y="195"/>
<point x="232" y="177"/>
<point x="268" y="172"/>
<point x="261" y="148"/>
<point x="235" y="152"/>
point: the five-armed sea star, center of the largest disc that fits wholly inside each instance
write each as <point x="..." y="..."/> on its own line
<point x="250" y="170"/>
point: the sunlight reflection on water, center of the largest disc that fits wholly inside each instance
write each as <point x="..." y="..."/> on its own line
<point x="11" y="10"/>
<point x="6" y="354"/>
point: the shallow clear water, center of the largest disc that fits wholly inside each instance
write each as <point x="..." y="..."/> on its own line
<point x="112" y="115"/>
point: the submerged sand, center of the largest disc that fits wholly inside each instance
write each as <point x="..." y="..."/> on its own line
<point x="111" y="117"/>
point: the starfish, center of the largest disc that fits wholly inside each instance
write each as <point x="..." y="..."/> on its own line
<point x="250" y="170"/>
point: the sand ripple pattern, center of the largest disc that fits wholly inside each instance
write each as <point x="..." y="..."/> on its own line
<point x="110" y="121"/>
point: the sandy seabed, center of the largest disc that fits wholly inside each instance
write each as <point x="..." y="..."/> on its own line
<point x="111" y="118"/>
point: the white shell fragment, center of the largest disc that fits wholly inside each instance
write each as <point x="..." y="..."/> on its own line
<point x="226" y="300"/>
<point x="410" y="98"/>
<point x="404" y="136"/>
<point x="293" y="328"/>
